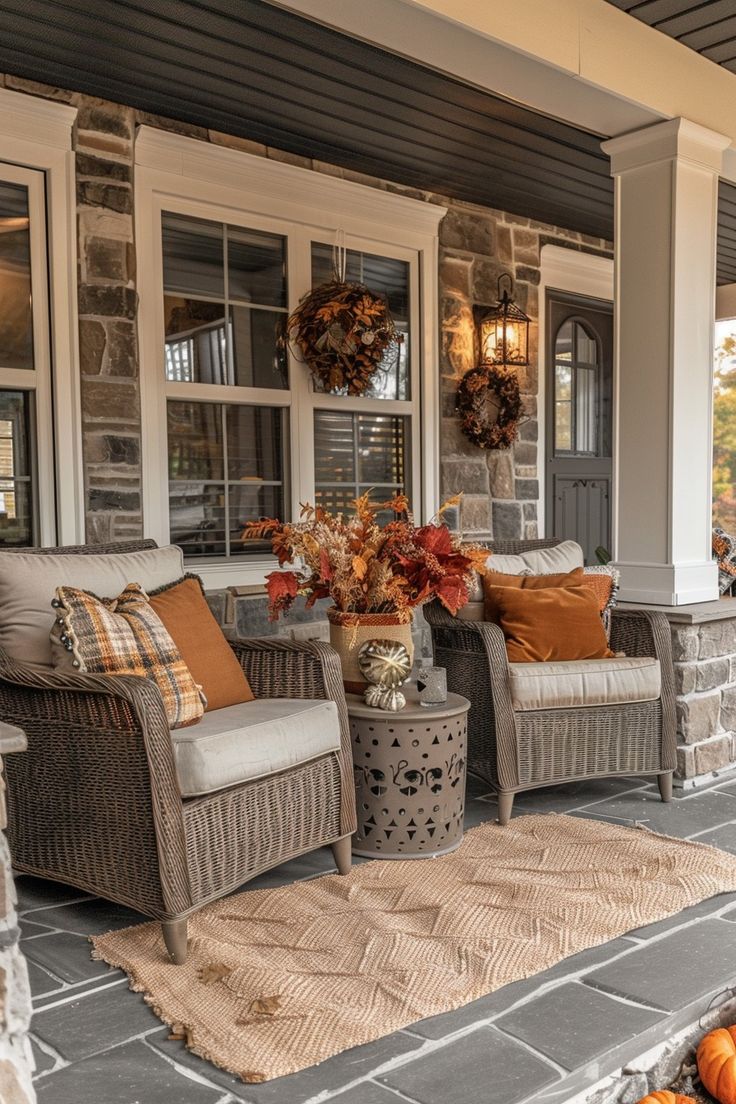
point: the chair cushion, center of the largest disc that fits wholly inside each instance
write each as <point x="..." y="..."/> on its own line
<point x="494" y="579"/>
<point x="183" y="609"/>
<point x="557" y="560"/>
<point x="28" y="582"/>
<point x="584" y="682"/>
<point x="558" y="623"/>
<point x="252" y="740"/>
<point x="124" y="636"/>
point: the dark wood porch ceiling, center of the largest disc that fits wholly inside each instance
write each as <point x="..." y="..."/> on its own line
<point x="254" y="70"/>
<point x="708" y="26"/>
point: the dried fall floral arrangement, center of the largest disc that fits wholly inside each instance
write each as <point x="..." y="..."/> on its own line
<point x="490" y="407"/>
<point x="365" y="567"/>
<point x="343" y="332"/>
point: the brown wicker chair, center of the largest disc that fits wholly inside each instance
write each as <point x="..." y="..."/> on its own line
<point x="95" y="801"/>
<point x="516" y="751"/>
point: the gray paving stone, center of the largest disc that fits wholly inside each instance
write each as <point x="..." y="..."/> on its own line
<point x="682" y="817"/>
<point x="94" y="1022"/>
<point x="695" y="912"/>
<point x="129" y="1074"/>
<point x="43" y="1062"/>
<point x="92" y="917"/>
<point x="723" y="837"/>
<point x="367" y="1093"/>
<point x="670" y="972"/>
<point x="573" y="795"/>
<point x="575" y="1024"/>
<point x="332" y="1074"/>
<point x="40" y="980"/>
<point x="67" y="956"/>
<point x="484" y="1067"/>
<point x="486" y="1008"/>
<point x="34" y="892"/>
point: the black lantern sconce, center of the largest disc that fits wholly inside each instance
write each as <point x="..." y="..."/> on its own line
<point x="503" y="330"/>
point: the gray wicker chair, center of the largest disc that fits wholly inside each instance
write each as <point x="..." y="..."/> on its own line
<point x="95" y="801"/>
<point x="516" y="751"/>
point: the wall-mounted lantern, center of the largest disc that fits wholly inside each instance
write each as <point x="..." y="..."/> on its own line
<point x="503" y="329"/>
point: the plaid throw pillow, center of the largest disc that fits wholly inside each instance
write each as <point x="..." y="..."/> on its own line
<point x="125" y="636"/>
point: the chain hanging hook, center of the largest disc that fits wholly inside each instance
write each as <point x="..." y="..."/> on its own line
<point x="340" y="257"/>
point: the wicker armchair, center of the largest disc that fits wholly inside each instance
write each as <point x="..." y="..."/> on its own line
<point x="521" y="750"/>
<point x="95" y="801"/>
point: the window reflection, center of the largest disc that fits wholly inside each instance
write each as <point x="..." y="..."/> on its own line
<point x="16" y="315"/>
<point x="577" y="380"/>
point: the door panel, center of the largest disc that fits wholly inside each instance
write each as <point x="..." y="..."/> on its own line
<point x="579" y="420"/>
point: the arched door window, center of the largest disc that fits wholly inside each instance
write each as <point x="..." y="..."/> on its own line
<point x="577" y="387"/>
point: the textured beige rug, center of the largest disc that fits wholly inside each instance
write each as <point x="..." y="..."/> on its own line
<point x="279" y="979"/>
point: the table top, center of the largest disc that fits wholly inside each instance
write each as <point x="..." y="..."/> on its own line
<point x="412" y="711"/>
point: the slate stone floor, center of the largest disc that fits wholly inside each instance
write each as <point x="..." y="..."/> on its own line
<point x="538" y="1041"/>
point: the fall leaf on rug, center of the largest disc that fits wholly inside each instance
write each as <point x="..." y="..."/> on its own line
<point x="266" y="1006"/>
<point x="181" y="1033"/>
<point x="214" y="971"/>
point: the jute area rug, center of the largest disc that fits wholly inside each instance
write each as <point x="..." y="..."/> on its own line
<point x="280" y="979"/>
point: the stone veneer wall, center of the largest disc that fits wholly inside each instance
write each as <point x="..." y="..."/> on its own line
<point x="705" y="681"/>
<point x="476" y="244"/>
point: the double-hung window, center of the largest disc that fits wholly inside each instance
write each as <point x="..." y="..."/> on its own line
<point x="26" y="456"/>
<point x="236" y="428"/>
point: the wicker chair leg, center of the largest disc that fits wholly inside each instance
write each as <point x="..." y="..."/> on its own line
<point x="175" y="938"/>
<point x="342" y="851"/>
<point x="664" y="781"/>
<point x="505" y="805"/>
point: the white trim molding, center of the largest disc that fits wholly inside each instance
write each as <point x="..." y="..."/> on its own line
<point x="37" y="134"/>
<point x="579" y="273"/>
<point x="176" y="173"/>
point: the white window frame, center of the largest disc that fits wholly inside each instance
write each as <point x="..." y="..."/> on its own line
<point x="60" y="489"/>
<point x="184" y="175"/>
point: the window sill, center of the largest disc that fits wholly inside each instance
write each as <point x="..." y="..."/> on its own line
<point x="220" y="576"/>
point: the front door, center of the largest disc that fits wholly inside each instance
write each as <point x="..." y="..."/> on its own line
<point x="579" y="420"/>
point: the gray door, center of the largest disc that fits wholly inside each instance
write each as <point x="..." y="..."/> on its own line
<point x="579" y="420"/>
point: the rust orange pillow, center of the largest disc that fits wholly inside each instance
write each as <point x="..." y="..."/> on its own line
<point x="190" y="623"/>
<point x="494" y="579"/>
<point x="556" y="623"/>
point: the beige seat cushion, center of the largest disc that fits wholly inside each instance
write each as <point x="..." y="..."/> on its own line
<point x="28" y="582"/>
<point x="251" y="740"/>
<point x="558" y="685"/>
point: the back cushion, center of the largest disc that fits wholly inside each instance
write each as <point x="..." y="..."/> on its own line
<point x="563" y="557"/>
<point x="28" y="583"/>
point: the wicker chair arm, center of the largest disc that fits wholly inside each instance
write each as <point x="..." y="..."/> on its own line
<point x="641" y="633"/>
<point x="106" y="710"/>
<point x="277" y="667"/>
<point x="647" y="633"/>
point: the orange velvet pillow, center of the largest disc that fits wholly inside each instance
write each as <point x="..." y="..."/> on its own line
<point x="190" y="623"/>
<point x="494" y="579"/>
<point x="557" y="623"/>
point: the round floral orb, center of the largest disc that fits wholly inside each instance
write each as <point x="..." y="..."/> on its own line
<point x="384" y="662"/>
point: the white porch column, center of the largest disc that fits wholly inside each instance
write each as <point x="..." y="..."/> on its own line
<point x="665" y="254"/>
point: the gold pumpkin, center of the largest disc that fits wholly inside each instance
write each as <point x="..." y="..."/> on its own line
<point x="716" y="1058"/>
<point x="666" y="1097"/>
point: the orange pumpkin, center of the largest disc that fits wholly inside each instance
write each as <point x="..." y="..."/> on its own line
<point x="666" y="1097"/>
<point x="716" y="1058"/>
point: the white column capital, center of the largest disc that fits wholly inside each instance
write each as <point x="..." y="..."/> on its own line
<point x="675" y="138"/>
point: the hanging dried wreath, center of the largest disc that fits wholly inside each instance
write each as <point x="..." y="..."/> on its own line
<point x="343" y="332"/>
<point x="490" y="407"/>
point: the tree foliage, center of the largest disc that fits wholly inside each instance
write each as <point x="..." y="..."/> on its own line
<point x="724" y="435"/>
